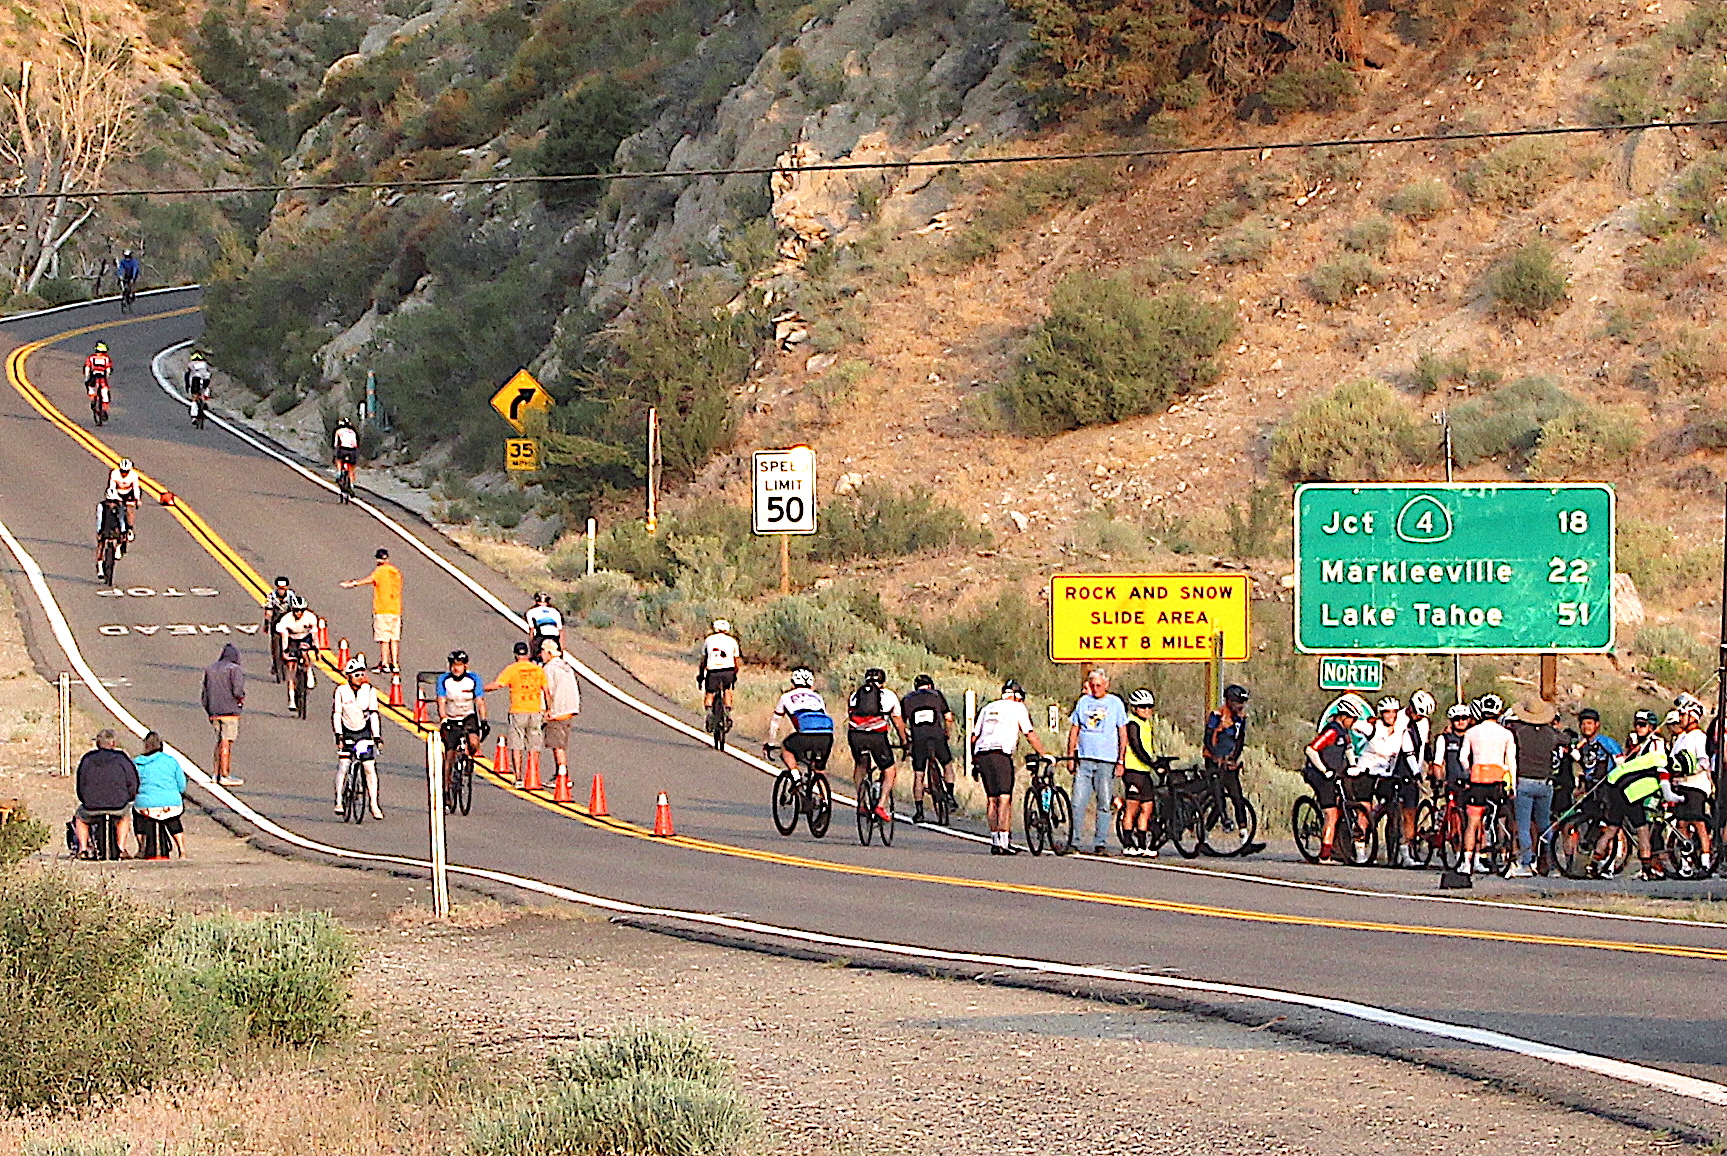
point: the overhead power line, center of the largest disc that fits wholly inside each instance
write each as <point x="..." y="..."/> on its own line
<point x="841" y="166"/>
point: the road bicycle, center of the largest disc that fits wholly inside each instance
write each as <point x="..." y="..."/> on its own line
<point x="99" y="401"/>
<point x="200" y="407"/>
<point x="1356" y="834"/>
<point x="359" y="760"/>
<point x="1497" y="831"/>
<point x="128" y="295"/>
<point x="1576" y="834"/>
<point x="459" y="793"/>
<point x="1388" y="816"/>
<point x="1674" y="848"/>
<point x="1223" y="827"/>
<point x="719" y="720"/>
<point x="869" y="798"/>
<point x="296" y="657"/>
<point x="344" y="482"/>
<point x="1048" y="812"/>
<point x="935" y="786"/>
<point x="108" y="553"/>
<point x="804" y="793"/>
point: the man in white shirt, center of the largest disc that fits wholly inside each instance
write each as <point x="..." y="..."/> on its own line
<point x="718" y="672"/>
<point x="1490" y="756"/>
<point x="354" y="716"/>
<point x="125" y="488"/>
<point x="563" y="702"/>
<point x="994" y="739"/>
<point x="297" y="631"/>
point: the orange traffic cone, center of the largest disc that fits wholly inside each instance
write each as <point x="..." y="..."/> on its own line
<point x="663" y="818"/>
<point x="597" y="797"/>
<point x="500" y="765"/>
<point x="166" y="498"/>
<point x="561" y="787"/>
<point x="396" y="690"/>
<point x="530" y="770"/>
<point x="342" y="653"/>
<point x="323" y="635"/>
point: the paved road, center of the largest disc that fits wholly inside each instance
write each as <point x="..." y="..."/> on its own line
<point x="1593" y="985"/>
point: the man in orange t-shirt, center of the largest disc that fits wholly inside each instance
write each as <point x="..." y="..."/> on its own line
<point x="386" y="583"/>
<point x="523" y="736"/>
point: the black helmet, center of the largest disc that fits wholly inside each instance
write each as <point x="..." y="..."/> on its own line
<point x="1645" y="718"/>
<point x="457" y="656"/>
<point x="1588" y="712"/>
<point x="1235" y="692"/>
<point x="923" y="682"/>
<point x="1013" y="688"/>
<point x="281" y="580"/>
<point x="875" y="676"/>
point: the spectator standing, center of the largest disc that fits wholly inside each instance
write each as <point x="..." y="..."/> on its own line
<point x="994" y="738"/>
<point x="107" y="784"/>
<point x="524" y="734"/>
<point x="1539" y="746"/>
<point x="386" y="583"/>
<point x="224" y="699"/>
<point x="161" y="801"/>
<point x="1097" y="741"/>
<point x="563" y="701"/>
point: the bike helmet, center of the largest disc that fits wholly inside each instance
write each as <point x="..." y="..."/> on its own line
<point x="1349" y="707"/>
<point x="1235" y="693"/>
<point x="542" y="600"/>
<point x="1645" y="718"/>
<point x="101" y="347"/>
<point x="281" y="579"/>
<point x="126" y="253"/>
<point x="803" y="677"/>
<point x="1688" y="704"/>
<point x="343" y="421"/>
<point x="296" y="603"/>
<point x="1422" y="704"/>
<point x="923" y="682"/>
<point x="1672" y="719"/>
<point x="875" y="676"/>
<point x="1140" y="698"/>
<point x="1588" y="712"/>
<point x="1492" y="706"/>
<point x="721" y="626"/>
<point x="125" y="465"/>
<point x="1457" y="711"/>
<point x="355" y="665"/>
<point x="1389" y="702"/>
<point x="457" y="656"/>
<point x="1012" y="689"/>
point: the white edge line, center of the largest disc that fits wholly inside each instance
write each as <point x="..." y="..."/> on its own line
<point x="1689" y="1087"/>
<point x="764" y="766"/>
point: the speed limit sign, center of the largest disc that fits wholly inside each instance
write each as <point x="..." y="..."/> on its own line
<point x="785" y="491"/>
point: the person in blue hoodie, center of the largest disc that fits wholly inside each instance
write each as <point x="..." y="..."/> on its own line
<point x="161" y="800"/>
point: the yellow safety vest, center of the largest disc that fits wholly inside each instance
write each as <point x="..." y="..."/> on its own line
<point x="1130" y="756"/>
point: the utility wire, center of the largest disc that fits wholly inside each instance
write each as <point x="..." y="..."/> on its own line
<point x="841" y="166"/>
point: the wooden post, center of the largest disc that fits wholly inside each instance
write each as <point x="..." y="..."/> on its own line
<point x="653" y="469"/>
<point x="590" y="547"/>
<point x="785" y="563"/>
<point x="1549" y="677"/>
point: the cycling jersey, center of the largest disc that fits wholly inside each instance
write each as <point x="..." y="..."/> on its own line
<point x="276" y="605"/>
<point x="1333" y="747"/>
<point x="1489" y="752"/>
<point x="1447" y="752"/>
<point x="719" y="652"/>
<point x="1689" y="762"/>
<point x="198" y="375"/>
<point x="1385" y="748"/>
<point x="1415" y="750"/>
<point x="546" y="622"/>
<point x="1595" y="757"/>
<point x="999" y="725"/>
<point x="297" y="627"/>
<point x="1223" y="741"/>
<point x="110" y="521"/>
<point x="861" y="719"/>
<point x="122" y="487"/>
<point x="459" y="691"/>
<point x="1639" y="777"/>
<point x="97" y="365"/>
<point x="925" y="712"/>
<point x="355" y="710"/>
<point x="1138" y="756"/>
<point x="128" y="269"/>
<point x="806" y="710"/>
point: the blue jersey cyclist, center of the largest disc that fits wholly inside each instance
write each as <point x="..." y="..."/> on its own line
<point x="461" y="711"/>
<point x="128" y="269"/>
<point x="812" y="727"/>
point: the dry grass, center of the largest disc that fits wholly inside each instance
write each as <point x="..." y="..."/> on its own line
<point x="1698" y="910"/>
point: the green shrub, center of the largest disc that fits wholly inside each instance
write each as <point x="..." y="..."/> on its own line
<point x="1518" y="174"/>
<point x="1011" y="201"/>
<point x="113" y="1146"/>
<point x="877" y="521"/>
<point x="1254" y="525"/>
<point x="1105" y="534"/>
<point x="1669" y="256"/>
<point x="1328" y="88"/>
<point x="1626" y="95"/>
<point x="583" y="137"/>
<point x="1657" y="563"/>
<point x="1360" y="431"/>
<point x="1106" y="353"/>
<point x="1341" y="278"/>
<point x="644" y="1092"/>
<point x="1587" y="442"/>
<point x="1675" y="656"/>
<point x="1434" y="370"/>
<point x="1690" y="362"/>
<point x="1118" y="54"/>
<point x="282" y="401"/>
<point x="803" y="630"/>
<point x="1369" y="235"/>
<point x="21" y="837"/>
<point x="1420" y="200"/>
<point x="1246" y="244"/>
<point x="1531" y="282"/>
<point x="62" y="290"/>
<point x="1507" y="422"/>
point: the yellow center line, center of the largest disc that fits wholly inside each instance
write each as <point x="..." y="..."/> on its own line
<point x="255" y="585"/>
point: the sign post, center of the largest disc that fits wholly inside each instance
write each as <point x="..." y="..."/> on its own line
<point x="784" y="488"/>
<point x="1414" y="568"/>
<point x="435" y="808"/>
<point x="520" y="396"/>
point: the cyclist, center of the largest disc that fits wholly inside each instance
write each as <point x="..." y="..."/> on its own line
<point x="544" y="622"/>
<point x="1645" y="734"/>
<point x="926" y="711"/>
<point x="276" y="605"/>
<point x="125" y="488"/>
<point x="197" y="378"/>
<point x="354" y="716"/>
<point x="98" y="368"/>
<point x="1330" y="756"/>
<point x="720" y="663"/>
<point x="1407" y="771"/>
<point x="110" y="527"/>
<point x="298" y="630"/>
<point x="1390" y="746"/>
<point x="1225" y="742"/>
<point x="1138" y="777"/>
<point x="128" y="269"/>
<point x="1640" y="781"/>
<point x="994" y="738"/>
<point x="1444" y="754"/>
<point x="461" y="712"/>
<point x="1594" y="756"/>
<point x="1618" y="813"/>
<point x="1490" y="755"/>
<point x="870" y="711"/>
<point x="812" y="734"/>
<point x="1692" y="770"/>
<point x="345" y="447"/>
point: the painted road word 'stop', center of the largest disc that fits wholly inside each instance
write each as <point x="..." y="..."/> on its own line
<point x="1475" y="568"/>
<point x="1147" y="617"/>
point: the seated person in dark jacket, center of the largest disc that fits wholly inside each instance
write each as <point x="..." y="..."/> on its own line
<point x="107" y="784"/>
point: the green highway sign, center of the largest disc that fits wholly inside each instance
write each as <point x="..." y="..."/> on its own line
<point x="1412" y="567"/>
<point x="1351" y="674"/>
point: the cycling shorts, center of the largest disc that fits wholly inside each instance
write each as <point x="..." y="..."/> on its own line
<point x="870" y="746"/>
<point x="995" y="769"/>
<point x="924" y="748"/>
<point x="297" y="648"/>
<point x="1137" y="786"/>
<point x="1359" y="788"/>
<point x="813" y="747"/>
<point x="718" y="680"/>
<point x="1323" y="786"/>
<point x="1693" y="805"/>
<point x="1481" y="794"/>
<point x="1405" y="792"/>
<point x="452" y="731"/>
<point x="347" y="457"/>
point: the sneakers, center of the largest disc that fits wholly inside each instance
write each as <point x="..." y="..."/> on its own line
<point x="1100" y="850"/>
<point x="311" y="679"/>
<point x="1129" y="851"/>
<point x="338" y="808"/>
<point x="917" y="813"/>
<point x="881" y="813"/>
<point x="1520" y="871"/>
<point x="231" y="781"/>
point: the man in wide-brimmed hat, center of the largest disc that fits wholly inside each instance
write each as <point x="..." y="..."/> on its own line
<point x="1540" y="745"/>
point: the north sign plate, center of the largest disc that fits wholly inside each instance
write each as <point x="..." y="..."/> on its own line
<point x="1471" y="568"/>
<point x="1351" y="673"/>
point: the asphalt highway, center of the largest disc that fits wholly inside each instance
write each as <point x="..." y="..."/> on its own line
<point x="189" y="585"/>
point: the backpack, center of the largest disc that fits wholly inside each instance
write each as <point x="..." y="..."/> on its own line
<point x="867" y="702"/>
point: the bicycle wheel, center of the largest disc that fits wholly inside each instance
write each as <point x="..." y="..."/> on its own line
<point x="1036" y="830"/>
<point x="1307" y="825"/>
<point x="935" y="790"/>
<point x="1573" y="842"/>
<point x="1363" y="834"/>
<point x="785" y="803"/>
<point x="1226" y="834"/>
<point x="465" y="781"/>
<point x="886" y="827"/>
<point x="718" y="724"/>
<point x="821" y="803"/>
<point x="866" y="811"/>
<point x="450" y="789"/>
<point x="354" y="795"/>
<point x="300" y="691"/>
<point x="1421" y="848"/>
<point x="105" y="567"/>
<point x="1451" y="822"/>
<point x="1060" y="829"/>
<point x="1501" y="841"/>
<point x="1187" y="830"/>
<point x="1679" y="854"/>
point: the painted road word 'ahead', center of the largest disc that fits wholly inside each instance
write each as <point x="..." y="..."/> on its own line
<point x="1147" y="617"/>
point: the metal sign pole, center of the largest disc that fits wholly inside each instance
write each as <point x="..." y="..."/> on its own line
<point x="653" y="468"/>
<point x="590" y="547"/>
<point x="1721" y="691"/>
<point x="435" y="801"/>
<point x="65" y="689"/>
<point x="785" y="563"/>
<point x="970" y="718"/>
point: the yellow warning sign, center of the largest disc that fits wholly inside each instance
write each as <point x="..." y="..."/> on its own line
<point x="1147" y="617"/>
<point x="521" y="455"/>
<point x="520" y="394"/>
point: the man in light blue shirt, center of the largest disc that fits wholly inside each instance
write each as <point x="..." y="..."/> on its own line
<point x="1097" y="738"/>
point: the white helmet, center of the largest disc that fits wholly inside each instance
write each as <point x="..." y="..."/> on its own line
<point x="1672" y="719"/>
<point x="803" y="678"/>
<point x="721" y="626"/>
<point x="1688" y="704"/>
<point x="1389" y="702"/>
<point x="1492" y="706"/>
<point x="1422" y="704"/>
<point x="1353" y="705"/>
<point x="355" y="665"/>
<point x="125" y="465"/>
